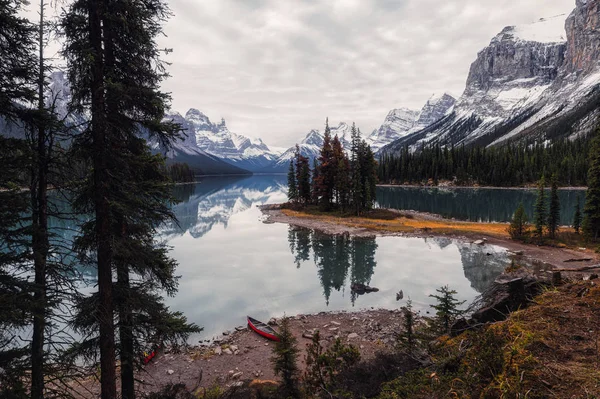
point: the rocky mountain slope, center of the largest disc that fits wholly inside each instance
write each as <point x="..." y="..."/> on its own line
<point x="402" y="122"/>
<point x="537" y="82"/>
<point x="216" y="139"/>
<point x="398" y="123"/>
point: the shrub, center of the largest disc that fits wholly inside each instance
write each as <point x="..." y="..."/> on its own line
<point x="285" y="357"/>
<point x="519" y="227"/>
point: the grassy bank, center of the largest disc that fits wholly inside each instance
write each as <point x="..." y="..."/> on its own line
<point x="401" y="222"/>
<point x="549" y="350"/>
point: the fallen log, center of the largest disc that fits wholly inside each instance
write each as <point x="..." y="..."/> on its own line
<point x="578" y="260"/>
<point x="580" y="269"/>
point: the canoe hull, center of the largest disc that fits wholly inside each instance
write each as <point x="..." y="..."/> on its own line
<point x="262" y="329"/>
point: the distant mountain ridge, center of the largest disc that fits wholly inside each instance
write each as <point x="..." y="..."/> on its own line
<point x="539" y="81"/>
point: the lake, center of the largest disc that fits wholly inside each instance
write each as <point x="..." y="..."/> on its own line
<point x="477" y="205"/>
<point x="232" y="265"/>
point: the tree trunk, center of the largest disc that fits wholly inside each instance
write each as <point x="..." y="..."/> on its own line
<point x="125" y="334"/>
<point x="102" y="206"/>
<point x="40" y="240"/>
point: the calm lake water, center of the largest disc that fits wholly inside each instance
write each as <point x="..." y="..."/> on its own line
<point x="478" y="205"/>
<point x="232" y="265"/>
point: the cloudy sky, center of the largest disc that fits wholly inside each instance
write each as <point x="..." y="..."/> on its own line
<point x="275" y="69"/>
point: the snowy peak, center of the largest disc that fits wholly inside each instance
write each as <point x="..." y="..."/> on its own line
<point x="313" y="137"/>
<point x="434" y="109"/>
<point x="529" y="83"/>
<point x="310" y="146"/>
<point x="545" y="30"/>
<point x="397" y="124"/>
<point x="216" y="139"/>
<point x="402" y="122"/>
<point x="59" y="93"/>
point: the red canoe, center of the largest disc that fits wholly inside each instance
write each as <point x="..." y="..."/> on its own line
<point x="151" y="355"/>
<point x="262" y="329"/>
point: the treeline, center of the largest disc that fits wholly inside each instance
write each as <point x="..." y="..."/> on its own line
<point x="180" y="172"/>
<point x="501" y="166"/>
<point x="51" y="333"/>
<point x="335" y="182"/>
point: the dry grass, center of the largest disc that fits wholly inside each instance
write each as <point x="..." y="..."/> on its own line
<point x="405" y="224"/>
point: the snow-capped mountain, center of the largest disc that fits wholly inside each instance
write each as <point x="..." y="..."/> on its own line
<point x="216" y="139"/>
<point x="535" y="81"/>
<point x="186" y="151"/>
<point x="397" y="124"/>
<point x="402" y="122"/>
<point x="310" y="147"/>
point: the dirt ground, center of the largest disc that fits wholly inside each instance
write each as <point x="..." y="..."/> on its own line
<point x="244" y="355"/>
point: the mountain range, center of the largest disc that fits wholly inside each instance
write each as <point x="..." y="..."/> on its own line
<point x="535" y="82"/>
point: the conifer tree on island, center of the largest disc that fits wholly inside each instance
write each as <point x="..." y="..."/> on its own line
<point x="554" y="209"/>
<point x="337" y="183"/>
<point x="292" y="187"/>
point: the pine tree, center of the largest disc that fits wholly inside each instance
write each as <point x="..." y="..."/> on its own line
<point x="446" y="308"/>
<point x="407" y="337"/>
<point x="285" y="358"/>
<point x="327" y="170"/>
<point x="591" y="210"/>
<point x="314" y="182"/>
<point x="342" y="175"/>
<point x="577" y="216"/>
<point x="292" y="187"/>
<point x="356" y="183"/>
<point x="519" y="228"/>
<point x="115" y="70"/>
<point x="17" y="73"/>
<point x="540" y="216"/>
<point x="554" y="210"/>
<point x="303" y="178"/>
<point x="15" y="299"/>
<point x="370" y="176"/>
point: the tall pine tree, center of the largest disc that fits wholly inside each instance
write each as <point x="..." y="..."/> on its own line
<point x="17" y="73"/>
<point x="292" y="186"/>
<point x="327" y="169"/>
<point x="554" y="209"/>
<point x="115" y="70"/>
<point x="591" y="210"/>
<point x="540" y="216"/>
<point x="356" y="183"/>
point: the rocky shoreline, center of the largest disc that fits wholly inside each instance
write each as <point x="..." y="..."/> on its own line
<point x="242" y="355"/>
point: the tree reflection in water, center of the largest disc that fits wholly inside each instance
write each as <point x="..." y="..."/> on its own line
<point x="339" y="259"/>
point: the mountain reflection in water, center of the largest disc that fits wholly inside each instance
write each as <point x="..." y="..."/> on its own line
<point x="232" y="265"/>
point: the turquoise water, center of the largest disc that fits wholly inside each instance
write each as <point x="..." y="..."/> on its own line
<point x="479" y="205"/>
<point x="232" y="265"/>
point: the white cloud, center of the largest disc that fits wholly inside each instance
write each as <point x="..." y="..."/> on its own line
<point x="276" y="68"/>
